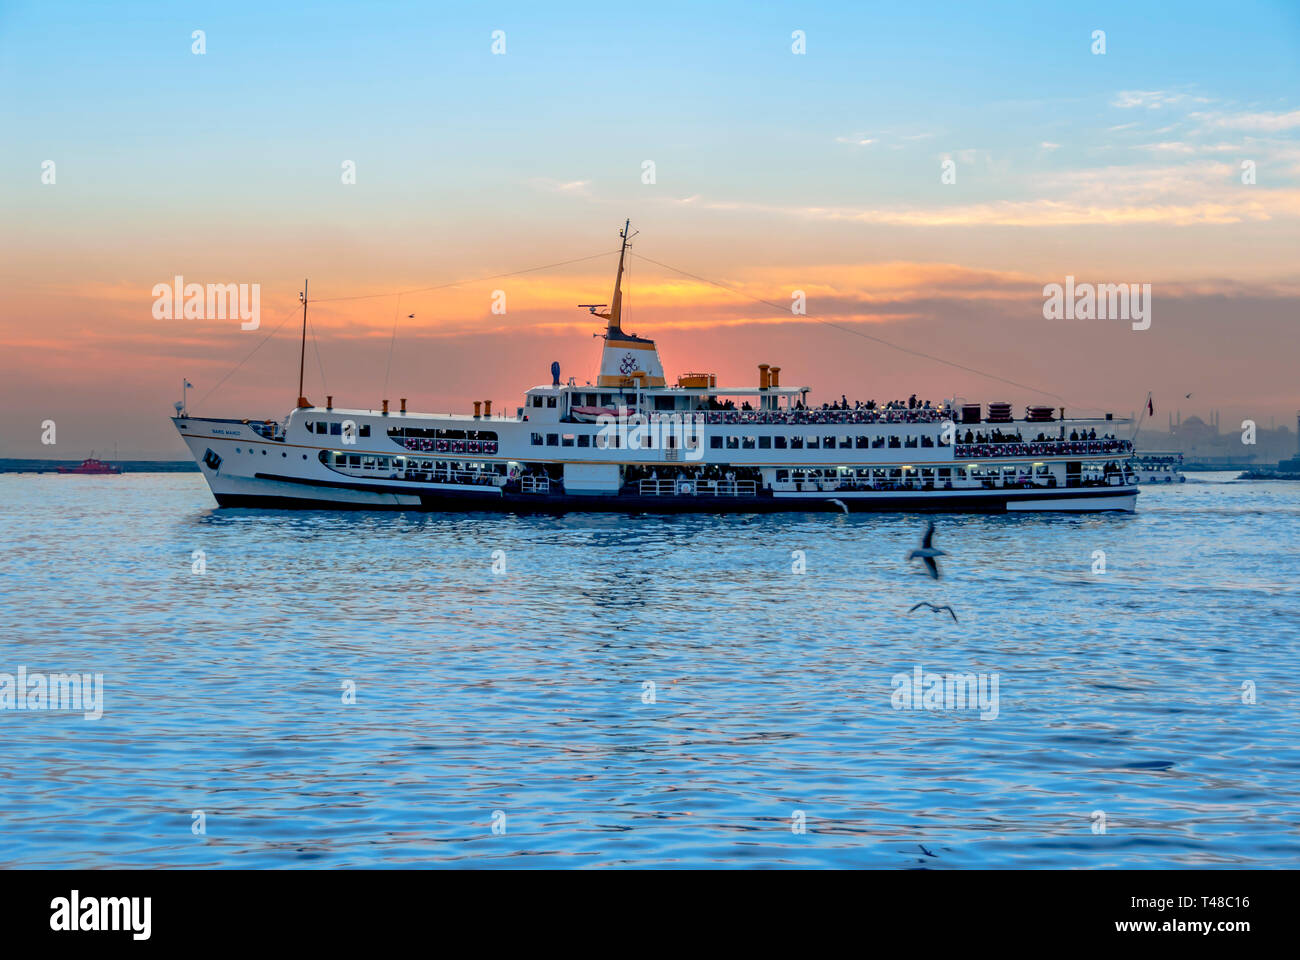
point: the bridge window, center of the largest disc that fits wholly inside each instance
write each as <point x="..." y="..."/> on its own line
<point x="765" y="443"/>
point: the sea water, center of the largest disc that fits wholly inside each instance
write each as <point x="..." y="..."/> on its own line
<point x="319" y="689"/>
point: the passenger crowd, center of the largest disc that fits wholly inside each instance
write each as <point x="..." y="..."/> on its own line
<point x="910" y="410"/>
<point x="998" y="436"/>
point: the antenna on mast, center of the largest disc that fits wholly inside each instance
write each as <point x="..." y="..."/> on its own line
<point x="615" y="305"/>
<point x="302" y="353"/>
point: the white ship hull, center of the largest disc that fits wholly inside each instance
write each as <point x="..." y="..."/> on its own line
<point x="256" y="465"/>
<point x="692" y="446"/>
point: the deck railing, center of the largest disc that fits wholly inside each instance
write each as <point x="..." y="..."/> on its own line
<point x="818" y="417"/>
<point x="468" y="477"/>
<point x="1042" y="448"/>
<point x="698" y="488"/>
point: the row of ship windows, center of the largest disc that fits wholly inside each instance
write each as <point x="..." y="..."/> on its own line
<point x="718" y="442"/>
<point x="334" y="428"/>
<point x="437" y="433"/>
<point x="842" y="442"/>
<point x="362" y="461"/>
<point x="604" y="400"/>
<point x="972" y="471"/>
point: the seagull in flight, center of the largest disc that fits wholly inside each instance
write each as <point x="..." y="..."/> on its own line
<point x="841" y="504"/>
<point x="928" y="552"/>
<point x="926" y="603"/>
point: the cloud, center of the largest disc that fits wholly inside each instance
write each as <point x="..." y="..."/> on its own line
<point x="889" y="138"/>
<point x="1126" y="205"/>
<point x="571" y="187"/>
<point x="1153" y="99"/>
<point x="1190" y="149"/>
<point x="1259" y="122"/>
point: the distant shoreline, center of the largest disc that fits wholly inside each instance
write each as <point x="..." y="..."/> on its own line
<point x="128" y="466"/>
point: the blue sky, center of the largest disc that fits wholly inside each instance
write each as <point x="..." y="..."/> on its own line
<point x="712" y="90"/>
<point x="774" y="171"/>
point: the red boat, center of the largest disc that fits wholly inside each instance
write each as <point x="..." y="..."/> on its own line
<point x="90" y="466"/>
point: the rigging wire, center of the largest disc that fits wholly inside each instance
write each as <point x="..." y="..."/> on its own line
<point x="858" y="333"/>
<point x="392" y="341"/>
<point x="458" y="283"/>
<point x="372" y="296"/>
<point x="686" y="273"/>
<point x="316" y="346"/>
<point x="249" y="356"/>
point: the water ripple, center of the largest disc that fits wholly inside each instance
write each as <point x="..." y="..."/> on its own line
<point x="523" y="698"/>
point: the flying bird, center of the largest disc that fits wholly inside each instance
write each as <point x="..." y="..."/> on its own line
<point x="841" y="504"/>
<point x="936" y="609"/>
<point x="928" y="552"/>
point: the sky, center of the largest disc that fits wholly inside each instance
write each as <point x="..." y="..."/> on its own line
<point x="774" y="171"/>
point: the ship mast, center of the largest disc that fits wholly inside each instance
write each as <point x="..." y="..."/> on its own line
<point x="616" y="306"/>
<point x="302" y="353"/>
<point x="616" y="302"/>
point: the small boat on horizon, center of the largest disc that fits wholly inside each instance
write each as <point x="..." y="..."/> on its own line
<point x="90" y="467"/>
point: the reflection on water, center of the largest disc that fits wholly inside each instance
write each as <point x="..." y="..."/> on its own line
<point x="529" y="692"/>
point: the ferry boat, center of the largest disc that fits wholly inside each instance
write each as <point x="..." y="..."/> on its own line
<point x="1158" y="467"/>
<point x="633" y="442"/>
<point x="91" y="467"/>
